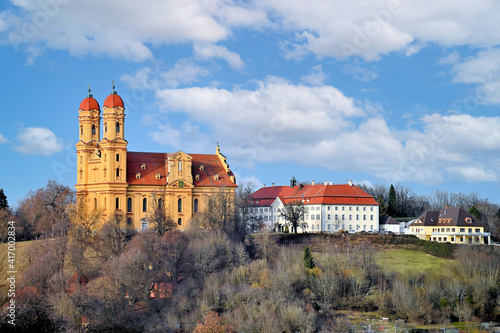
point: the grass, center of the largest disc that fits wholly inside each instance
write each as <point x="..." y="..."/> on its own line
<point x="413" y="262"/>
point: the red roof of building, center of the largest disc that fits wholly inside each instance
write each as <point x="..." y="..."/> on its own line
<point x="89" y="103"/>
<point x="156" y="163"/>
<point x="313" y="195"/>
<point x="113" y="100"/>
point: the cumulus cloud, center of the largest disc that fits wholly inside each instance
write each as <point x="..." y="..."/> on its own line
<point x="3" y="139"/>
<point x="37" y="141"/>
<point x="123" y="30"/>
<point x="316" y="77"/>
<point x="209" y="51"/>
<point x="320" y="126"/>
<point x="482" y="70"/>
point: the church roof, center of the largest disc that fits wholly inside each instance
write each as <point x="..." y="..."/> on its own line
<point x="113" y="100"/>
<point x="156" y="163"/>
<point x="89" y="103"/>
<point x="314" y="195"/>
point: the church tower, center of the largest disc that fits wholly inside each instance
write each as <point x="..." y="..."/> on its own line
<point x="114" y="154"/>
<point x="89" y="135"/>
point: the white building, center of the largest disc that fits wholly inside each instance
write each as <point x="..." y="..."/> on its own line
<point x="328" y="208"/>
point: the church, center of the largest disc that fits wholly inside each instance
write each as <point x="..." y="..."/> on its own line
<point x="115" y="181"/>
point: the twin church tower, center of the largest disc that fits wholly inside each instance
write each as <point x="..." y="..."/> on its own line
<point x="131" y="185"/>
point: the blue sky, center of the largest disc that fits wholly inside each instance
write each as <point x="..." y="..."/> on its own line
<point x="380" y="92"/>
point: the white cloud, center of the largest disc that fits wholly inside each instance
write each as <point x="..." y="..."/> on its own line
<point x="3" y="139"/>
<point x="316" y="77"/>
<point x="360" y="73"/>
<point x="282" y="122"/>
<point x="37" y="141"/>
<point x="124" y="29"/>
<point x="155" y="77"/>
<point x="209" y="51"/>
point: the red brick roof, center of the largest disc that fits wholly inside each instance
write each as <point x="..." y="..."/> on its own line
<point x="314" y="195"/>
<point x="156" y="164"/>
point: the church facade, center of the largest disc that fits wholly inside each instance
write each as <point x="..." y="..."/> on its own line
<point x="115" y="181"/>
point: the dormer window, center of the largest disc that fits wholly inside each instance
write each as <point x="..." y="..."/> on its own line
<point x="216" y="177"/>
<point x="157" y="176"/>
<point x="143" y="166"/>
<point x="138" y="175"/>
<point x="468" y="220"/>
<point x="197" y="177"/>
<point x="202" y="167"/>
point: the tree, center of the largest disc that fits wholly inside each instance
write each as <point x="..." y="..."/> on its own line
<point x="3" y="200"/>
<point x="392" y="203"/>
<point x="159" y="218"/>
<point x="251" y="223"/>
<point x="213" y="323"/>
<point x="293" y="213"/>
<point x="219" y="214"/>
<point x="308" y="258"/>
<point x="475" y="212"/>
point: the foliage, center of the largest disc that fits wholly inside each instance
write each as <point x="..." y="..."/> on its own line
<point x="3" y="200"/>
<point x="213" y="323"/>
<point x="392" y="207"/>
<point x="308" y="259"/>
<point x="475" y="212"/>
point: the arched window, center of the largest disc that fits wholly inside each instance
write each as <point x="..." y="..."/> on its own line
<point x="195" y="205"/>
<point x="81" y="130"/>
<point x="160" y="203"/>
<point x="117" y="172"/>
<point x="93" y="129"/>
<point x="118" y="157"/>
<point x="179" y="221"/>
<point x="129" y="221"/>
<point x="144" y="205"/>
<point x="117" y="127"/>
<point x="129" y="205"/>
<point x="95" y="203"/>
<point x="179" y="205"/>
<point x="117" y="203"/>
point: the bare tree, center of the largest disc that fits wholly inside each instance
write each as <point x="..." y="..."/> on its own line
<point x="293" y="213"/>
<point x="159" y="218"/>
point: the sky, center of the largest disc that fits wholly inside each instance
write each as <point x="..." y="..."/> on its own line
<point x="378" y="92"/>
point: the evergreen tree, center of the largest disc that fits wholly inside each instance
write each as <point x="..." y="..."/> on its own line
<point x="308" y="258"/>
<point x="392" y="204"/>
<point x="3" y="199"/>
<point x="475" y="212"/>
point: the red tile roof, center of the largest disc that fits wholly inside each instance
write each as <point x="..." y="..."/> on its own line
<point x="113" y="101"/>
<point x="89" y="103"/>
<point x="156" y="164"/>
<point x="314" y="194"/>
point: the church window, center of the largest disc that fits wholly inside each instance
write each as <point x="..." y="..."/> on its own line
<point x="195" y="205"/>
<point x="117" y="203"/>
<point x="93" y="129"/>
<point x="138" y="175"/>
<point x="160" y="203"/>
<point x="129" y="205"/>
<point x="179" y="205"/>
<point x="202" y="167"/>
<point x="129" y="221"/>
<point x="143" y="166"/>
<point x="81" y="130"/>
<point x="105" y="203"/>
<point x="117" y="172"/>
<point x="106" y="128"/>
<point x="197" y="177"/>
<point x="144" y="205"/>
<point x="179" y="221"/>
<point x="180" y="166"/>
<point x="117" y="127"/>
<point x="95" y="203"/>
<point x="118" y="157"/>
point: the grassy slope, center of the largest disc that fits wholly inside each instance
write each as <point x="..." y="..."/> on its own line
<point x="413" y="262"/>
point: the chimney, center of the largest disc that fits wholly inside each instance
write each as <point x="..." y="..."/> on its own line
<point x="331" y="182"/>
<point x="264" y="185"/>
<point x="326" y="183"/>
<point x="312" y="183"/>
<point x="350" y="182"/>
<point x="272" y="184"/>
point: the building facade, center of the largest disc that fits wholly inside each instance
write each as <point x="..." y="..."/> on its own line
<point x="114" y="181"/>
<point x="328" y="208"/>
<point x="450" y="224"/>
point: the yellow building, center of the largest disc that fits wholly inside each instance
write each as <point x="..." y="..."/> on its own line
<point x="450" y="224"/>
<point x="131" y="184"/>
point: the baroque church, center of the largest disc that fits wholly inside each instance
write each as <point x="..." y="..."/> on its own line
<point x="116" y="181"/>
